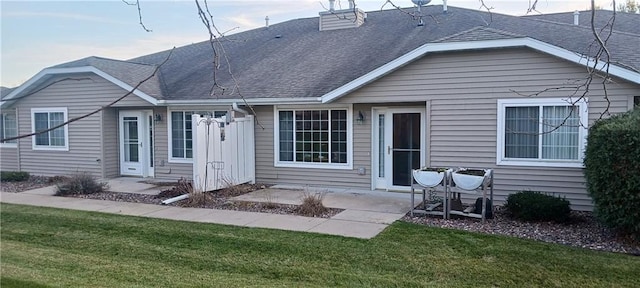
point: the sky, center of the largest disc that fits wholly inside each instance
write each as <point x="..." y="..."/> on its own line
<point x="38" y="34"/>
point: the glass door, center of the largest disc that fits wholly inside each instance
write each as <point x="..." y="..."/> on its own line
<point x="405" y="149"/>
<point x="136" y="138"/>
<point x="398" y="146"/>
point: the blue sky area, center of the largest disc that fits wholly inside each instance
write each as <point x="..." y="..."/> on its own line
<point x="39" y="34"/>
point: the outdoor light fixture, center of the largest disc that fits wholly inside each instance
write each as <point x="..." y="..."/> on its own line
<point x="361" y="118"/>
<point x="158" y="117"/>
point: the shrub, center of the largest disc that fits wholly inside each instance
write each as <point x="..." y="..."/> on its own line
<point x="312" y="205"/>
<point x="196" y="200"/>
<point x="81" y="183"/>
<point x="535" y="206"/>
<point x="612" y="165"/>
<point x="57" y="179"/>
<point x="13" y="176"/>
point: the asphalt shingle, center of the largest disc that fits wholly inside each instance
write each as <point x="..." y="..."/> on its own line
<point x="294" y="59"/>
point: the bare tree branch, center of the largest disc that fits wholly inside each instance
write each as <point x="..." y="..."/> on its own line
<point x="413" y="15"/>
<point x="137" y="4"/>
<point x="603" y="49"/>
<point x="533" y="6"/>
<point x="207" y="20"/>
<point x="155" y="71"/>
<point x="484" y="6"/>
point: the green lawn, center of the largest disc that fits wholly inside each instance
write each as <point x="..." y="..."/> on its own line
<point x="44" y="247"/>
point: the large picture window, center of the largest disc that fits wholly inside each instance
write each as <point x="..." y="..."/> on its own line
<point x="313" y="137"/>
<point x="46" y="118"/>
<point x="541" y="132"/>
<point x="8" y="127"/>
<point x="181" y="132"/>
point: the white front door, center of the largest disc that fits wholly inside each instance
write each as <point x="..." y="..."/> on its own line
<point x="136" y="138"/>
<point x="398" y="145"/>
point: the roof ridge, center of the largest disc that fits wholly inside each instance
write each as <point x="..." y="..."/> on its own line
<point x="573" y="25"/>
<point x="565" y="24"/>
<point x="122" y="61"/>
<point x="581" y="11"/>
<point x="485" y="28"/>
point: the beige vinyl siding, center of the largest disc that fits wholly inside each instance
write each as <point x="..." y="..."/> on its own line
<point x="9" y="159"/>
<point x="163" y="168"/>
<point x="85" y="155"/>
<point x="462" y="90"/>
<point x="110" y="143"/>
<point x="267" y="173"/>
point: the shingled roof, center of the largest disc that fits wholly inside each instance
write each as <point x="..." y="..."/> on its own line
<point x="294" y="59"/>
<point x="127" y="71"/>
<point x="624" y="22"/>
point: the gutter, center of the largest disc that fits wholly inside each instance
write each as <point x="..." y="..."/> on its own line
<point x="254" y="101"/>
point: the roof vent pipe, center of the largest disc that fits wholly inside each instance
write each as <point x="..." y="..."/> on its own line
<point x="444" y="6"/>
<point x="266" y="21"/>
<point x="576" y="18"/>
<point x="352" y="4"/>
<point x="332" y="5"/>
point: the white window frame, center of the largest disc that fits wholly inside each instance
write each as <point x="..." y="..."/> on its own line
<point x="293" y="164"/>
<point x="170" y="135"/>
<point x="62" y="110"/>
<point x="584" y="120"/>
<point x="13" y="144"/>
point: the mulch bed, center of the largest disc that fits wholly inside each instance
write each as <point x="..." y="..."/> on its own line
<point x="34" y="182"/>
<point x="219" y="199"/>
<point x="583" y="231"/>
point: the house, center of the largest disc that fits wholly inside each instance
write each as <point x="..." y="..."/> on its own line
<point x="346" y="99"/>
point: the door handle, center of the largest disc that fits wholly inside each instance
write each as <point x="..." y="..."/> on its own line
<point x="140" y="144"/>
<point x="389" y="150"/>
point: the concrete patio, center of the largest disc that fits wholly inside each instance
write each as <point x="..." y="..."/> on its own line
<point x="366" y="213"/>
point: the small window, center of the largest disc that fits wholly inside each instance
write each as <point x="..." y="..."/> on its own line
<point x="43" y="119"/>
<point x="313" y="138"/>
<point x="541" y="132"/>
<point x="636" y="102"/>
<point x="8" y="127"/>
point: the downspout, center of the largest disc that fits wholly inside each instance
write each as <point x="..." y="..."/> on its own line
<point x="235" y="107"/>
<point x="174" y="199"/>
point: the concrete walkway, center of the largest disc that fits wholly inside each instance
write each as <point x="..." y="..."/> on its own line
<point x="366" y="213"/>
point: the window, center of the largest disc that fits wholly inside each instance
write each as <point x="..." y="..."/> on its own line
<point x="8" y="127"/>
<point x="46" y="118"/>
<point x="541" y="132"/>
<point x="313" y="138"/>
<point x="636" y="102"/>
<point x="181" y="132"/>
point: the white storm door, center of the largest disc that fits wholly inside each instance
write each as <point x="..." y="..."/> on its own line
<point x="399" y="146"/>
<point x="132" y="143"/>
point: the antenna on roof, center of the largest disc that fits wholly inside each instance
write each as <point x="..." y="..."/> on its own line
<point x="266" y="21"/>
<point x="420" y="3"/>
